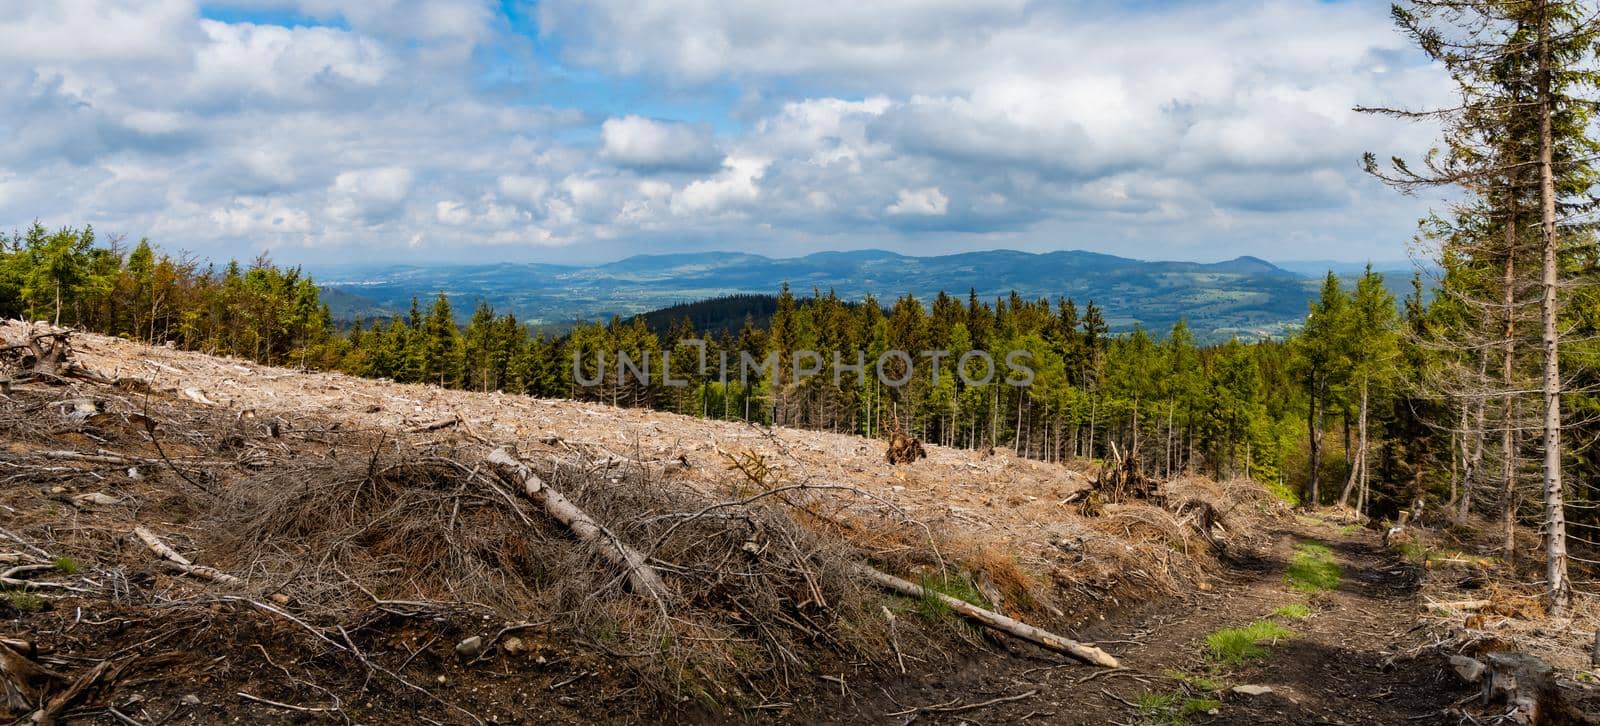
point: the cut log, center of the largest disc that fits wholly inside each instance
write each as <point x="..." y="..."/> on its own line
<point x="52" y="711"/>
<point x="642" y="578"/>
<point x="435" y="426"/>
<point x="178" y="563"/>
<point x="23" y="683"/>
<point x="1460" y="604"/>
<point x="1524" y="683"/>
<point x="988" y="618"/>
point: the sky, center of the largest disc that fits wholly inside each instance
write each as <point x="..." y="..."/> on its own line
<point x="583" y="131"/>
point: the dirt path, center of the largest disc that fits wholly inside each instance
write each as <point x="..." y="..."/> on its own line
<point x="1331" y="671"/>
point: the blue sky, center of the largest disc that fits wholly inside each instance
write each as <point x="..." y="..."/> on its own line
<point x="588" y="130"/>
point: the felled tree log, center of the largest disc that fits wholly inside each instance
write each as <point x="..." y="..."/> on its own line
<point x="642" y="578"/>
<point x="178" y="563"/>
<point x="988" y="618"/>
<point x="1525" y="683"/>
<point x="23" y="683"/>
<point x="48" y="355"/>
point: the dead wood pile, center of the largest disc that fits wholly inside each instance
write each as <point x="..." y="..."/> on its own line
<point x="904" y="449"/>
<point x="214" y="530"/>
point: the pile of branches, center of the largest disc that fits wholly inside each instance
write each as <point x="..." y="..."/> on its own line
<point x="314" y="543"/>
<point x="44" y="354"/>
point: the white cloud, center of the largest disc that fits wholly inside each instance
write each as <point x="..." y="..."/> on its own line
<point x="738" y="183"/>
<point x="927" y="124"/>
<point x="928" y="202"/>
<point x="647" y="144"/>
<point x="367" y="196"/>
<point x="260" y="64"/>
<point x="452" y="213"/>
<point x="253" y="215"/>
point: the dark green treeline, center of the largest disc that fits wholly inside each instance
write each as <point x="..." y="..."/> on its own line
<point x="1269" y="409"/>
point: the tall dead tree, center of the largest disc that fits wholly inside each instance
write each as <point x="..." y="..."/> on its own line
<point x="1519" y="146"/>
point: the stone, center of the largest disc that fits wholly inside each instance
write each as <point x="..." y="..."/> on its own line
<point x="95" y="499"/>
<point x="1249" y="690"/>
<point x="189" y="699"/>
<point x="470" y="648"/>
<point x="1470" y="669"/>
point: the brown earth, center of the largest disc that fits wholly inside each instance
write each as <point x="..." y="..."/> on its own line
<point x="1352" y="661"/>
<point x="1136" y="581"/>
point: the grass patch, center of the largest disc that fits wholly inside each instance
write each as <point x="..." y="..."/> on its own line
<point x="1198" y="682"/>
<point x="66" y="565"/>
<point x="1410" y="551"/>
<point x="23" y="602"/>
<point x="1349" y="529"/>
<point x="1173" y="708"/>
<point x="1237" y="645"/>
<point x="958" y="586"/>
<point x="1295" y="611"/>
<point x="1312" y="568"/>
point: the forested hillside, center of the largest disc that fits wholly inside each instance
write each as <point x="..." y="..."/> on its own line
<point x="1245" y="297"/>
<point x="1341" y="412"/>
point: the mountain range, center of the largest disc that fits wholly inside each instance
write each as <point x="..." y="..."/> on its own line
<point x="1245" y="296"/>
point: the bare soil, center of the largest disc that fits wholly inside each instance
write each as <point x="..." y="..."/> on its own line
<point x="343" y="617"/>
<point x="1350" y="662"/>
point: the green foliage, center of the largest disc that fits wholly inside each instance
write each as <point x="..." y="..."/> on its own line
<point x="1232" y="409"/>
<point x="23" y="602"/>
<point x="66" y="565"/>
<point x="957" y="585"/>
<point x="1293" y="611"/>
<point x="1172" y="708"/>
<point x="1312" y="568"/>
<point x="1234" y="646"/>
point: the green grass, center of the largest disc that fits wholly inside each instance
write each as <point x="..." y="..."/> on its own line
<point x="958" y="586"/>
<point x="66" y="565"/>
<point x="1411" y="551"/>
<point x="1173" y="708"/>
<point x="1312" y="568"/>
<point x="1295" y="611"/>
<point x="23" y="602"/>
<point x="1198" y="682"/>
<point x="1349" y="529"/>
<point x="1237" y="645"/>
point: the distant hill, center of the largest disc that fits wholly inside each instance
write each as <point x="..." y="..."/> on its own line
<point x="1246" y="296"/>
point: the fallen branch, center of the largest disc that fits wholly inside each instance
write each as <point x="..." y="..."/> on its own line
<point x="290" y="706"/>
<point x="950" y="708"/>
<point x="1460" y="604"/>
<point x="435" y="426"/>
<point x="1086" y="653"/>
<point x="642" y="578"/>
<point x="53" y="710"/>
<point x="178" y="563"/>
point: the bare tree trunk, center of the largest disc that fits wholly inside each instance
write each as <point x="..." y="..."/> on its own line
<point x="1361" y="447"/>
<point x="1508" y="445"/>
<point x="1359" y="460"/>
<point x="1472" y="440"/>
<point x="642" y="578"/>
<point x="1081" y="651"/>
<point x="1170" y="406"/>
<point x="1315" y="434"/>
<point x="1559" y="589"/>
